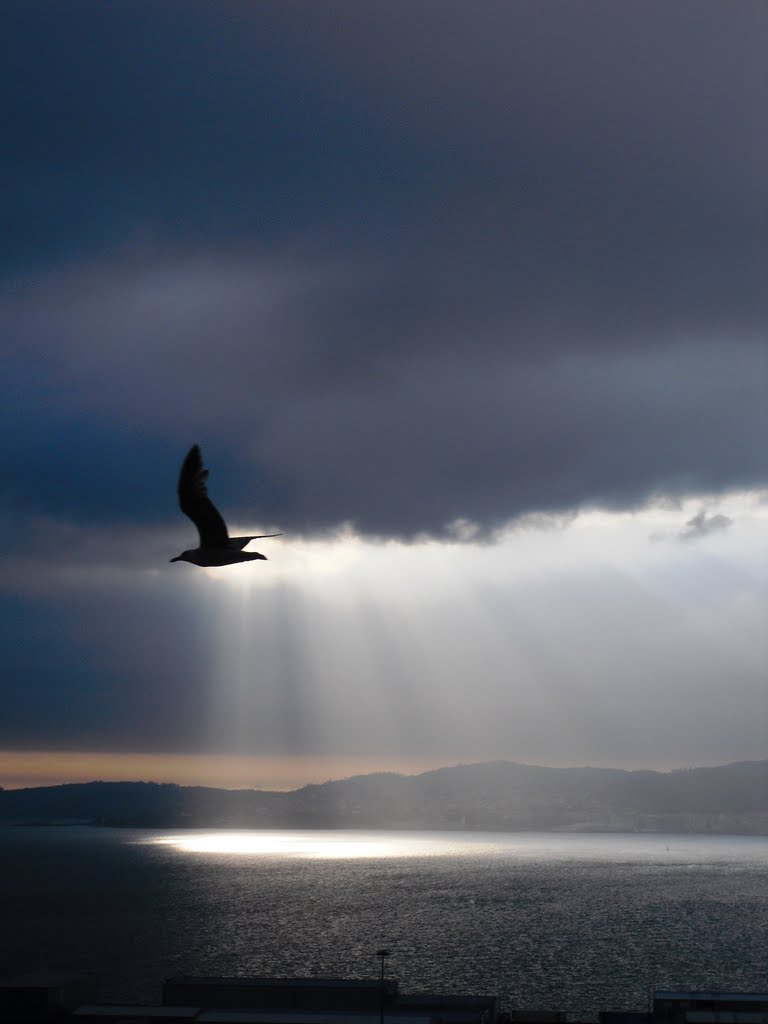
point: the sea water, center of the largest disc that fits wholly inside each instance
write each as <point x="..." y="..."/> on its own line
<point x="545" y="921"/>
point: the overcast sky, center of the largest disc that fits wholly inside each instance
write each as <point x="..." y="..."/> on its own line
<point x="467" y="299"/>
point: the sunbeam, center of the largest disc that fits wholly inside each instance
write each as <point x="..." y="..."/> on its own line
<point x="530" y="647"/>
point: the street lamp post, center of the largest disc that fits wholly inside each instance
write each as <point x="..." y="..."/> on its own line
<point x="383" y="954"/>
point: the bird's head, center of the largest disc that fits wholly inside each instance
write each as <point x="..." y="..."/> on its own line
<point x="184" y="557"/>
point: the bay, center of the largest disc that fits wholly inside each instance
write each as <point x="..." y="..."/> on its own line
<point x="545" y="921"/>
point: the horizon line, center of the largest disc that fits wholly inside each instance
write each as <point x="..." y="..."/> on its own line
<point x="36" y="769"/>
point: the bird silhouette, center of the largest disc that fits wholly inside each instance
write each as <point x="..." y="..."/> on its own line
<point x="216" y="546"/>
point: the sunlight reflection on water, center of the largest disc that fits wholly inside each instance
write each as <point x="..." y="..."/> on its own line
<point x="323" y="845"/>
<point x="667" y="851"/>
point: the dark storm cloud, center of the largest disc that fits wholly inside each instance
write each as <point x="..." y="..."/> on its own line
<point x="395" y="440"/>
<point x="387" y="264"/>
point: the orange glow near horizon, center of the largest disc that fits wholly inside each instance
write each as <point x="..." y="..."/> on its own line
<point x="29" y="768"/>
<point x="21" y="769"/>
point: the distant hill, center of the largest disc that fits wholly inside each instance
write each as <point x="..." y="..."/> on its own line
<point x="499" y="795"/>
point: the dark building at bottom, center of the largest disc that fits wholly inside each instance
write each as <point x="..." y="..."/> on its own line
<point x="42" y="999"/>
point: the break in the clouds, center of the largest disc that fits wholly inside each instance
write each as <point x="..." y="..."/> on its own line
<point x="575" y="642"/>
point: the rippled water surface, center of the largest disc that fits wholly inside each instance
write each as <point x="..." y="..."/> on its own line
<point x="571" y="922"/>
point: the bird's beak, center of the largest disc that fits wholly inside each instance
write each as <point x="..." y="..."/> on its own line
<point x="176" y="559"/>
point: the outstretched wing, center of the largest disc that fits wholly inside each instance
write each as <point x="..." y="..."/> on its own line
<point x="195" y="503"/>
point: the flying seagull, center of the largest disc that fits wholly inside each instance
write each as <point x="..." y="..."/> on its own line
<point x="216" y="546"/>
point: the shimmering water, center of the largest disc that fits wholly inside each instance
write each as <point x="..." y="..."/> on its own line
<point x="571" y="922"/>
